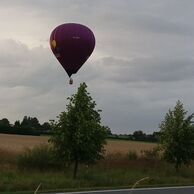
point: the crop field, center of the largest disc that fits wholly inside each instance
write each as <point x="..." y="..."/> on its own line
<point x="18" y="143"/>
<point x="123" y="146"/>
<point x="117" y="170"/>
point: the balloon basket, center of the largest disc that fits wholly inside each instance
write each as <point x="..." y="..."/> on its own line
<point x="71" y="81"/>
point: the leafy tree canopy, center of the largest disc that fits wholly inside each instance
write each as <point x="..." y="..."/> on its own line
<point x="4" y="122"/>
<point x="176" y="136"/>
<point x="78" y="135"/>
<point x="30" y="122"/>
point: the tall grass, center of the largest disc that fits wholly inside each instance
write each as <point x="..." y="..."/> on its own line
<point x="40" y="157"/>
<point x="132" y="155"/>
<point x="8" y="160"/>
<point x="38" y="165"/>
<point x="153" y="153"/>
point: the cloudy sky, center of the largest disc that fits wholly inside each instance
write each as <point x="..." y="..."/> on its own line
<point x="142" y="64"/>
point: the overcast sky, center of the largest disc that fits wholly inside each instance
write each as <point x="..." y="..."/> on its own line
<point x="142" y="64"/>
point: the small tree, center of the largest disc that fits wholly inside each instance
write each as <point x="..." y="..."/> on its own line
<point x="46" y="126"/>
<point x="17" y="123"/>
<point x="5" y="122"/>
<point x="139" y="135"/>
<point x="78" y="135"/>
<point x="177" y="136"/>
<point x="30" y="122"/>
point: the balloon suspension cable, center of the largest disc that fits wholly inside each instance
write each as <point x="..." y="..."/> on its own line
<point x="71" y="81"/>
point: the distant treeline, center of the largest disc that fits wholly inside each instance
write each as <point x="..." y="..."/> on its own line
<point x="32" y="126"/>
<point x="137" y="136"/>
<point x="28" y="126"/>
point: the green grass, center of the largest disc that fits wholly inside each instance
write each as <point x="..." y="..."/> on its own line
<point x="113" y="172"/>
<point x="106" y="174"/>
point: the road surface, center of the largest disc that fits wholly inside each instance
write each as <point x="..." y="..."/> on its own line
<point x="161" y="190"/>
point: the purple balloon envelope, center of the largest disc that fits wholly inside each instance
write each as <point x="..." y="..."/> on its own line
<point x="72" y="44"/>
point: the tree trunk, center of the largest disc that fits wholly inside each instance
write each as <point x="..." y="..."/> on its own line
<point x="75" y="169"/>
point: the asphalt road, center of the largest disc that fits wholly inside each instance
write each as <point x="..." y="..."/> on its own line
<point x="163" y="190"/>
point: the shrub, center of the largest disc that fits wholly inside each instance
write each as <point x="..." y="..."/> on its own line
<point x="40" y="157"/>
<point x="132" y="155"/>
<point x="151" y="154"/>
<point x="115" y="156"/>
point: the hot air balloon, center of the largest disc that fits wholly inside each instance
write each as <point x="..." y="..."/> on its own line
<point x="72" y="44"/>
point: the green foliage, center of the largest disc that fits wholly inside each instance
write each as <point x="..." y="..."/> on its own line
<point x="177" y="136"/>
<point x="108" y="131"/>
<point x="78" y="135"/>
<point x="139" y="135"/>
<point x="152" y="154"/>
<point x="111" y="173"/>
<point x="40" y="157"/>
<point x="28" y="126"/>
<point x="46" y="126"/>
<point x="17" y="124"/>
<point x="132" y="155"/>
<point x="4" y="125"/>
<point x="30" y="123"/>
<point x="4" y="122"/>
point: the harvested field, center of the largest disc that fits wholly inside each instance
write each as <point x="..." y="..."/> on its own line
<point x="123" y="146"/>
<point x="18" y="143"/>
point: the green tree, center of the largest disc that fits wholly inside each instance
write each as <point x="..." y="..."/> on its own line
<point x="176" y="136"/>
<point x="17" y="124"/>
<point x="5" y="122"/>
<point x="78" y="136"/>
<point x="5" y="126"/>
<point x="139" y="135"/>
<point x="30" y="122"/>
<point x="108" y="130"/>
<point x="46" y="126"/>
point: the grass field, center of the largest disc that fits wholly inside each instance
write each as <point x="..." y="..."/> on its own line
<point x="123" y="146"/>
<point x="18" y="143"/>
<point x="116" y="171"/>
<point x="12" y="179"/>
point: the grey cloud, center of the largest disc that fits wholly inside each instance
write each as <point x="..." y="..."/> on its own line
<point x="156" y="24"/>
<point x="23" y="66"/>
<point x="142" y="63"/>
<point x="42" y="89"/>
<point x="31" y="81"/>
<point x="153" y="69"/>
<point x="11" y="52"/>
